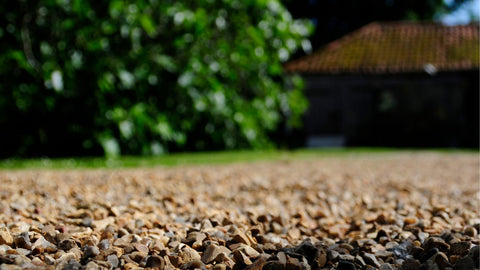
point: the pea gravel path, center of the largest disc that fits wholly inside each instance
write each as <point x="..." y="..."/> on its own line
<point x="381" y="211"/>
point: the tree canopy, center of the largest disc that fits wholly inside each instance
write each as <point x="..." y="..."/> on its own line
<point x="146" y="77"/>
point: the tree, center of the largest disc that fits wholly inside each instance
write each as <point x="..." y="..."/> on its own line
<point x="145" y="77"/>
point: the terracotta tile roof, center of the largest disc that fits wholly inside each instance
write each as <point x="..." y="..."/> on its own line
<point x="396" y="47"/>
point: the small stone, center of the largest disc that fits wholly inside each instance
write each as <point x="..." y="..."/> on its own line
<point x="23" y="241"/>
<point x="315" y="256"/>
<point x="219" y="266"/>
<point x="465" y="263"/>
<point x="195" y="239"/>
<point x="385" y="266"/>
<point x="175" y="260"/>
<point x="359" y="261"/>
<point x="460" y="248"/>
<point x="92" y="266"/>
<point x="410" y="220"/>
<point x="346" y="257"/>
<point x="470" y="231"/>
<point x="435" y="242"/>
<point x="383" y="254"/>
<point x="474" y="253"/>
<point x="293" y="264"/>
<point x="137" y="256"/>
<point x="454" y="258"/>
<point x="10" y="267"/>
<point x="4" y="259"/>
<point x="248" y="250"/>
<point x="113" y="260"/>
<point x="42" y="245"/>
<point x="49" y="259"/>
<point x="422" y="236"/>
<point x="141" y="247"/>
<point x="410" y="264"/>
<point x="21" y="259"/>
<point x="195" y="264"/>
<point x="63" y="261"/>
<point x="320" y="258"/>
<point x="441" y="260"/>
<point x="257" y="264"/>
<point x="49" y="233"/>
<point x="90" y="251"/>
<point x="104" y="244"/>
<point x="346" y="265"/>
<point x="189" y="254"/>
<point x="155" y="261"/>
<point x="87" y="222"/>
<point x="294" y="234"/>
<point x="67" y="244"/>
<point x="429" y="254"/>
<point x="241" y="258"/>
<point x="240" y="237"/>
<point x="371" y="260"/>
<point x="212" y="251"/>
<point x="130" y="266"/>
<point x="332" y="255"/>
<point x="282" y="257"/>
<point x="274" y="265"/>
<point x="78" y="253"/>
<point x="5" y="236"/>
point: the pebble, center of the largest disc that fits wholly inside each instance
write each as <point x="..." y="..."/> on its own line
<point x="241" y="258"/>
<point x="113" y="260"/>
<point x="274" y="265"/>
<point x="346" y="265"/>
<point x="104" y="244"/>
<point x="465" y="263"/>
<point x="371" y="260"/>
<point x="346" y="257"/>
<point x="441" y="260"/>
<point x="385" y="266"/>
<point x="42" y="245"/>
<point x="249" y="251"/>
<point x="410" y="264"/>
<point x="219" y="266"/>
<point x="212" y="251"/>
<point x="49" y="259"/>
<point x="155" y="261"/>
<point x="460" y="248"/>
<point x="23" y="241"/>
<point x="195" y="264"/>
<point x="189" y="254"/>
<point x="5" y="236"/>
<point x="470" y="231"/>
<point x="90" y="251"/>
<point x="435" y="242"/>
<point x="92" y="266"/>
<point x="240" y="237"/>
<point x="141" y="247"/>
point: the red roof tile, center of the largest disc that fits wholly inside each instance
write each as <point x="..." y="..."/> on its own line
<point x="396" y="47"/>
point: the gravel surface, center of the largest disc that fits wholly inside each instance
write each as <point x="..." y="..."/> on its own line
<point x="382" y="211"/>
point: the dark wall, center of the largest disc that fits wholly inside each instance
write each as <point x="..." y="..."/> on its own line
<point x="407" y="110"/>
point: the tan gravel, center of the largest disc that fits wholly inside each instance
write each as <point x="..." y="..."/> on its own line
<point x="406" y="211"/>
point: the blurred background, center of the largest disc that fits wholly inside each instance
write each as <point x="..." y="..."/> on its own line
<point x="92" y="78"/>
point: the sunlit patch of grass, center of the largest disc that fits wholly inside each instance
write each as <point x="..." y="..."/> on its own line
<point x="206" y="158"/>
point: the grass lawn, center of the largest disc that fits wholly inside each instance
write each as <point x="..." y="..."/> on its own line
<point x="203" y="158"/>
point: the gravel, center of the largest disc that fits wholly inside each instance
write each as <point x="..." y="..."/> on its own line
<point x="388" y="211"/>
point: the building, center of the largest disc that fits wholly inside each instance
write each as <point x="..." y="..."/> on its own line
<point x="396" y="84"/>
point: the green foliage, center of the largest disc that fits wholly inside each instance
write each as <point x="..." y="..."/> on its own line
<point x="146" y="77"/>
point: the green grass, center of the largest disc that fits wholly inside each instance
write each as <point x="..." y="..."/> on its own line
<point x="205" y="158"/>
